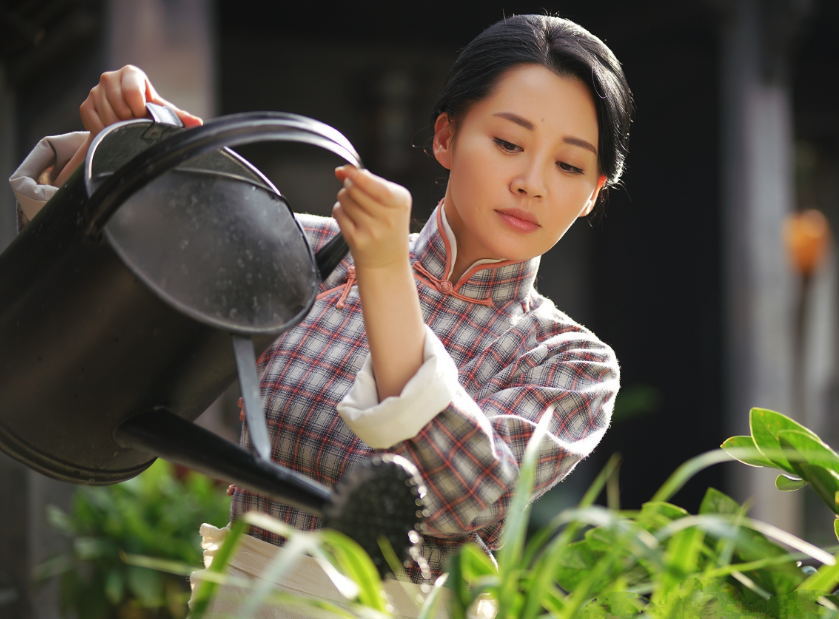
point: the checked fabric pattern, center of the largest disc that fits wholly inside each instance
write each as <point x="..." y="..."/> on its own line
<point x="518" y="358"/>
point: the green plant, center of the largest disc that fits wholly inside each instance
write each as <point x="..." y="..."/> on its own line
<point x="778" y="442"/>
<point x="155" y="514"/>
<point x="657" y="562"/>
<point x="660" y="561"/>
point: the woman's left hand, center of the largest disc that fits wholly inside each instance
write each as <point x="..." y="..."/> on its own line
<point x="374" y="215"/>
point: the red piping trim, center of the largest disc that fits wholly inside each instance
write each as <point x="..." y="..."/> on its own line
<point x="466" y="276"/>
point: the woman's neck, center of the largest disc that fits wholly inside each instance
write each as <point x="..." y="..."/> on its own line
<point x="468" y="253"/>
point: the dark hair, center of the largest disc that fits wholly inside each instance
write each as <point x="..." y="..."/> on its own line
<point x="561" y="46"/>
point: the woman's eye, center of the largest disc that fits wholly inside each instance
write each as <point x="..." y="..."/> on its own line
<point x="507" y="146"/>
<point x="565" y="167"/>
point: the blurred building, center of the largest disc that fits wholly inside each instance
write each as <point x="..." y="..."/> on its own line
<point x="685" y="276"/>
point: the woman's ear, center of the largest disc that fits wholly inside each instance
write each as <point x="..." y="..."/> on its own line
<point x="592" y="200"/>
<point x="443" y="138"/>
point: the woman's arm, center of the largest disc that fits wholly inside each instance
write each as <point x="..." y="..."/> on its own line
<point x="374" y="216"/>
<point x="468" y="448"/>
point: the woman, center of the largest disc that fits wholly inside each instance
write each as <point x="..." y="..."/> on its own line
<point x="436" y="346"/>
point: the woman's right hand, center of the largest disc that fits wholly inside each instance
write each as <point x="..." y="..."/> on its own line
<point x="122" y="95"/>
<point x="119" y="95"/>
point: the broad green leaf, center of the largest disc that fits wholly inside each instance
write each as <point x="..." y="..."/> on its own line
<point x="812" y="450"/>
<point x="716" y="502"/>
<point x="825" y="481"/>
<point x="114" y="586"/>
<point x="836" y="526"/>
<point x="745" y="443"/>
<point x="788" y="483"/>
<point x="765" y="426"/>
<point x="146" y="584"/>
<point x="576" y="560"/>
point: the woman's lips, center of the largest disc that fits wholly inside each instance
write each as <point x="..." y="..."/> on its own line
<point x="518" y="220"/>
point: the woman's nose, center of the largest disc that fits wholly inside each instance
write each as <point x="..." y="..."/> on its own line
<point x="529" y="182"/>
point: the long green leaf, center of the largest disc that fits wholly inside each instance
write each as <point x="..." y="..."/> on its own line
<point x="432" y="600"/>
<point x="682" y="556"/>
<point x="725" y="570"/>
<point x="350" y="558"/>
<point x="281" y="598"/>
<point x="280" y="564"/>
<point x="824" y="580"/>
<point x="515" y="526"/>
<point x="357" y="564"/>
<point x="206" y="589"/>
<point x="720" y="526"/>
<point x="541" y="538"/>
<point x="681" y="475"/>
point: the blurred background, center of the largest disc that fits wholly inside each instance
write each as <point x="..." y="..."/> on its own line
<point x="687" y="275"/>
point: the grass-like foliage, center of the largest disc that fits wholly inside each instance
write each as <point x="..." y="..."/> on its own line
<point x="657" y="562"/>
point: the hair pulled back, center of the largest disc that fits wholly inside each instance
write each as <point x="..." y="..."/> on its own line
<point x="561" y="46"/>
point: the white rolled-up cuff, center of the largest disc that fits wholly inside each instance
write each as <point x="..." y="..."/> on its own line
<point x="54" y="150"/>
<point x="429" y="392"/>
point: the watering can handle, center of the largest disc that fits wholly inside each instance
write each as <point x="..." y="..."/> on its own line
<point x="232" y="130"/>
<point x="162" y="114"/>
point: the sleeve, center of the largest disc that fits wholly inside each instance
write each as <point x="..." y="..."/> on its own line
<point x="469" y="449"/>
<point x="51" y="152"/>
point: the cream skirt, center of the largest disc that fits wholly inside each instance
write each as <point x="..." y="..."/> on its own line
<point x="306" y="579"/>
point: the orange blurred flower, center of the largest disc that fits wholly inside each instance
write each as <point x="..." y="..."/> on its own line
<point x="807" y="238"/>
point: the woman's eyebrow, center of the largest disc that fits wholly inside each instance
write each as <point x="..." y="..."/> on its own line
<point x="523" y="122"/>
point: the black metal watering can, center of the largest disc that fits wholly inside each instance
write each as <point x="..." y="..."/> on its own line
<point x="152" y="278"/>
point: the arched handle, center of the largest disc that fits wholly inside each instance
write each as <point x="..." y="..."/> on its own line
<point x="232" y="130"/>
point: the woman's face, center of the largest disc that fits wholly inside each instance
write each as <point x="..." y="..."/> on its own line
<point x="523" y="165"/>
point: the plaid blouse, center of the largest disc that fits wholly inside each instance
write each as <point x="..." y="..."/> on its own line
<point x="504" y="356"/>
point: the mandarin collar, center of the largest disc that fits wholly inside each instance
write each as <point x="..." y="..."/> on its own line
<point x="499" y="282"/>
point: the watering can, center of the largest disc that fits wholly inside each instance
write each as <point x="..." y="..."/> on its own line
<point x="144" y="287"/>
